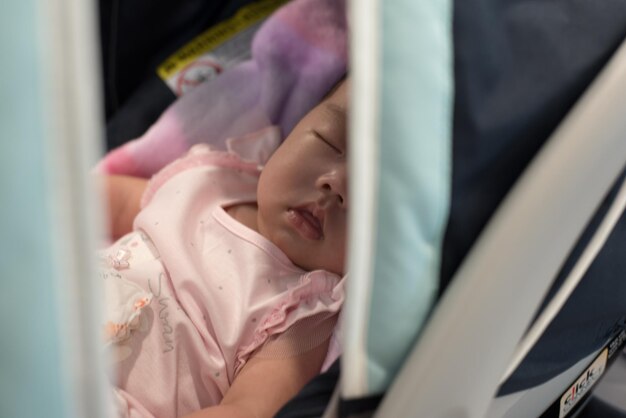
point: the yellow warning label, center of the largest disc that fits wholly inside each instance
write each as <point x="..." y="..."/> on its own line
<point x="218" y="34"/>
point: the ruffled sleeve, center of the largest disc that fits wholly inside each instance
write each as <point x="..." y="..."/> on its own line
<point x="302" y="319"/>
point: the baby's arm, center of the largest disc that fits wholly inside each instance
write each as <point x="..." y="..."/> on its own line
<point x="123" y="194"/>
<point x="265" y="385"/>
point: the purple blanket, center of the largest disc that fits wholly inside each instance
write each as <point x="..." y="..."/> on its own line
<point x="298" y="54"/>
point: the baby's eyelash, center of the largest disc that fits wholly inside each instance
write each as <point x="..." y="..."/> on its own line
<point x="327" y="142"/>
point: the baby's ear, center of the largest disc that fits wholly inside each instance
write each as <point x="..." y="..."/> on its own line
<point x="256" y="147"/>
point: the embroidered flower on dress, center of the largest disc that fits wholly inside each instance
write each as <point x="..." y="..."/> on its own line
<point x="113" y="331"/>
<point x="120" y="260"/>
<point x="140" y="303"/>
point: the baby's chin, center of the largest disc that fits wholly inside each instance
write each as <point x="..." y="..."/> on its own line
<point x="303" y="260"/>
<point x="311" y="266"/>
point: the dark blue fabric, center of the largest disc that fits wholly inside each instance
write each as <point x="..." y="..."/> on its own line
<point x="597" y="408"/>
<point x="519" y="68"/>
<point x="312" y="400"/>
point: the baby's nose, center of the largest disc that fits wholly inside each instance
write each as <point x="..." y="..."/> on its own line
<point x="335" y="183"/>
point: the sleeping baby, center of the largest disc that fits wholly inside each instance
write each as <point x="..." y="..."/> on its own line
<point x="225" y="281"/>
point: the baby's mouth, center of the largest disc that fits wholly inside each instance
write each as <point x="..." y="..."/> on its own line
<point x="307" y="221"/>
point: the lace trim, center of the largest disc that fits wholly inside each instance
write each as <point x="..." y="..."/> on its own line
<point x="318" y="286"/>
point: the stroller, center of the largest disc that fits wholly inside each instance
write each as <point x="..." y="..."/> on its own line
<point x="486" y="254"/>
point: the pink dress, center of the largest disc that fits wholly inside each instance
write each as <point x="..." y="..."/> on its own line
<point x="209" y="291"/>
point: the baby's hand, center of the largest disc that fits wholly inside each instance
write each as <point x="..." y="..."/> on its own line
<point x="123" y="194"/>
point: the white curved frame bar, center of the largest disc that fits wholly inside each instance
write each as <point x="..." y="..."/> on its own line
<point x="569" y="284"/>
<point x="364" y="127"/>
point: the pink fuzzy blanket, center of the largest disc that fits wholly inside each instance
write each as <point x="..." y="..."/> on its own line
<point x="298" y="54"/>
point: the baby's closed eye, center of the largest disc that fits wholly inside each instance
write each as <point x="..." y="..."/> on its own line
<point x="331" y="143"/>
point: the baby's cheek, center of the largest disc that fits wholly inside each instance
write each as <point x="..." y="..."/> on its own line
<point x="339" y="253"/>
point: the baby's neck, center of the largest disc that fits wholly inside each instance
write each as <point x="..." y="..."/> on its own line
<point x="245" y="213"/>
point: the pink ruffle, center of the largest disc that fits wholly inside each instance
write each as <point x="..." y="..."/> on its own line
<point x="317" y="286"/>
<point x="198" y="156"/>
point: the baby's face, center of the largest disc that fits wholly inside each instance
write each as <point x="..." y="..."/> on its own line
<point x="302" y="195"/>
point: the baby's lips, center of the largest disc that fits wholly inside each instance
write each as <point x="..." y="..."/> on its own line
<point x="317" y="213"/>
<point x="305" y="223"/>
